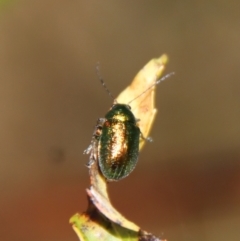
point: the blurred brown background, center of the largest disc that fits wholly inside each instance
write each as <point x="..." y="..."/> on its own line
<point x="187" y="183"/>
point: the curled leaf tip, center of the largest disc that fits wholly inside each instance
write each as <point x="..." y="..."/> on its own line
<point x="142" y="101"/>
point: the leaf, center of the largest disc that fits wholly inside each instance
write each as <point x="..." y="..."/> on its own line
<point x="102" y="221"/>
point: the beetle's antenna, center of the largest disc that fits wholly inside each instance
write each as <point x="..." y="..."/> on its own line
<point x="102" y="81"/>
<point x="156" y="83"/>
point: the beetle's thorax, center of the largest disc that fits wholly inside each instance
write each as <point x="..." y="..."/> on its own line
<point x="120" y="112"/>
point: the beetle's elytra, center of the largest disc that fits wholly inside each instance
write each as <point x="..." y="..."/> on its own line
<point x="118" y="146"/>
<point x="115" y="143"/>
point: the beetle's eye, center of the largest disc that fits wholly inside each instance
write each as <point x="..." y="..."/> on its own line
<point x="129" y="107"/>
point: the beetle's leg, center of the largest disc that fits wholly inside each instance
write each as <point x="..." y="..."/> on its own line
<point x="93" y="147"/>
<point x="149" y="139"/>
<point x="88" y="150"/>
<point x="96" y="134"/>
<point x="93" y="152"/>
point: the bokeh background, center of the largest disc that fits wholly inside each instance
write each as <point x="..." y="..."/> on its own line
<point x="187" y="183"/>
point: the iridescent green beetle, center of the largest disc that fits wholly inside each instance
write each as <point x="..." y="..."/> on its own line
<point x="118" y="146"/>
<point x="115" y="141"/>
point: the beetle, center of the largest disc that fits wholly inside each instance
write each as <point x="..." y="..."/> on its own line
<point x="115" y="140"/>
